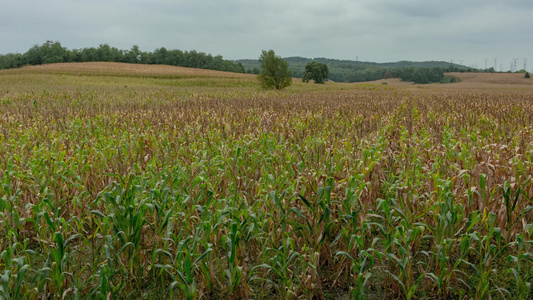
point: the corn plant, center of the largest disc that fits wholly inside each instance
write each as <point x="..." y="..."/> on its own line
<point x="174" y="184"/>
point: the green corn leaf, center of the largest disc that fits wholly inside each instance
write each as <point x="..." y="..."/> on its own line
<point x="203" y="255"/>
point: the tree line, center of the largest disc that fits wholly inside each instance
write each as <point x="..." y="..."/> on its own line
<point x="275" y="72"/>
<point x="53" y="52"/>
<point x="419" y="75"/>
<point x="359" y="71"/>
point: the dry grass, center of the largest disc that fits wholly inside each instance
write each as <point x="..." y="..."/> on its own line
<point x="493" y="79"/>
<point x="124" y="69"/>
<point x="470" y="81"/>
<point x="389" y="81"/>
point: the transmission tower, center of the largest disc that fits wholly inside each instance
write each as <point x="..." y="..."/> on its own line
<point x="525" y="63"/>
<point x="514" y="59"/>
<point x="486" y="63"/>
<point x="495" y="63"/>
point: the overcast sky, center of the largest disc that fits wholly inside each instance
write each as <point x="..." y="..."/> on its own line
<point x="467" y="31"/>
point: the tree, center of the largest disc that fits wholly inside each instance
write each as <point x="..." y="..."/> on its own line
<point x="89" y="54"/>
<point x="315" y="71"/>
<point x="12" y="60"/>
<point x="104" y="53"/>
<point x="48" y="53"/>
<point x="134" y="55"/>
<point x="53" y="52"/>
<point x="274" y="71"/>
<point x="527" y="75"/>
<point x="160" y="56"/>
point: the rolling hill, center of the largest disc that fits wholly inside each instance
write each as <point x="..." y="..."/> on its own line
<point x="349" y="70"/>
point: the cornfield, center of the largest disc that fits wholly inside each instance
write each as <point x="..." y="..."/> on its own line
<point x="117" y="186"/>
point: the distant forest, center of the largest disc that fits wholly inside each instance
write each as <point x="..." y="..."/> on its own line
<point x="358" y="71"/>
<point x="53" y="52"/>
<point x="339" y="70"/>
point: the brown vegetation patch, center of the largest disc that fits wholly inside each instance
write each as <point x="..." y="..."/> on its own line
<point x="469" y="81"/>
<point x="492" y="79"/>
<point x="389" y="81"/>
<point x="125" y="69"/>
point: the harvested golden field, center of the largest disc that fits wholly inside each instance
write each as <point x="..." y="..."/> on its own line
<point x="494" y="79"/>
<point x="389" y="81"/>
<point x="182" y="187"/>
<point x="124" y="69"/>
<point x="471" y="81"/>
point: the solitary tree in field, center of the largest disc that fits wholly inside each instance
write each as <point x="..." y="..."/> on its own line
<point x="527" y="75"/>
<point x="274" y="71"/>
<point x="315" y="71"/>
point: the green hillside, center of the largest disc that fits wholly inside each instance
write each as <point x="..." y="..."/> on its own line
<point x="353" y="71"/>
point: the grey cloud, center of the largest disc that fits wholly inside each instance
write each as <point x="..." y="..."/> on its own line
<point x="379" y="30"/>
